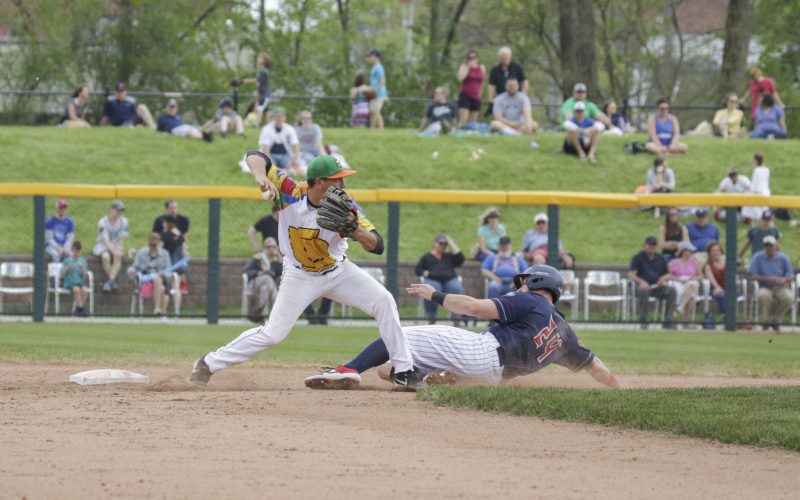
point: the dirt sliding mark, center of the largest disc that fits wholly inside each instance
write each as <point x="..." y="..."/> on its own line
<point x="258" y="433"/>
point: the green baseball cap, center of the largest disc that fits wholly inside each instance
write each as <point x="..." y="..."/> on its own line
<point x="327" y="166"/>
<point x="278" y="109"/>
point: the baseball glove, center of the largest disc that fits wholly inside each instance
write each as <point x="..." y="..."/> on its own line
<point x="333" y="211"/>
<point x="235" y="82"/>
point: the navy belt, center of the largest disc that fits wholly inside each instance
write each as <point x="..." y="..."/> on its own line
<point x="501" y="356"/>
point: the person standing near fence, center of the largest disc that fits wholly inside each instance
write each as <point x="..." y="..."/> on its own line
<point x="377" y="80"/>
<point x="315" y="265"/>
<point x="470" y="74"/>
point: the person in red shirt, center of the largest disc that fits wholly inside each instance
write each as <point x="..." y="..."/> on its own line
<point x="470" y="74"/>
<point x="760" y="85"/>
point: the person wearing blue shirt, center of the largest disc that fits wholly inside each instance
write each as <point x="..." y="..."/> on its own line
<point x="501" y="268"/>
<point x="583" y="134"/>
<point x="59" y="231"/>
<point x="172" y="123"/>
<point x="701" y="233"/>
<point x="121" y="110"/>
<point x="773" y="271"/>
<point x="377" y="80"/>
<point x="528" y="334"/>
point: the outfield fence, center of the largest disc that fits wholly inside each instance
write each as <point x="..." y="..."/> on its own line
<point x="602" y="232"/>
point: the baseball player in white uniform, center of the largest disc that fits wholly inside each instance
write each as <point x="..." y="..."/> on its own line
<point x="315" y="264"/>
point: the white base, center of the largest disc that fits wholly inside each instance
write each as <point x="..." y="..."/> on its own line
<point x="108" y="376"/>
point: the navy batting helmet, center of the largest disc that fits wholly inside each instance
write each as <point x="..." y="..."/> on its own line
<point x="541" y="277"/>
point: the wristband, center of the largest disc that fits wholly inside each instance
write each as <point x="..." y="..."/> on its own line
<point x="438" y="297"/>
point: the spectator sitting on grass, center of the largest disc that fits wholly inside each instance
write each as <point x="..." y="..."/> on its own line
<point x="226" y="120"/>
<point x="112" y="229"/>
<point x="438" y="268"/>
<point x="501" y="268"/>
<point x="59" y="231"/>
<point x="489" y="233"/>
<point x="309" y="135"/>
<point x="757" y="233"/>
<point x="582" y="134"/>
<point x="78" y="106"/>
<point x="74" y="271"/>
<point x="770" y="120"/>
<point x="153" y="260"/>
<point x="619" y="122"/>
<point x="773" y="271"/>
<point x="172" y="123"/>
<point x="499" y="75"/>
<point x="663" y="131"/>
<point x="120" y="110"/>
<point x="579" y="93"/>
<point x="734" y="183"/>
<point x="660" y="178"/>
<point x="512" y="111"/>
<point x="278" y="140"/>
<point x="728" y="121"/>
<point x="671" y="234"/>
<point x="440" y="116"/>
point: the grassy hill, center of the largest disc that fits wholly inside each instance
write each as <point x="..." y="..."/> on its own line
<point x="392" y="158"/>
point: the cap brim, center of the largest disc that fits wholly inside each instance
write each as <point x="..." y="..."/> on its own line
<point x="343" y="173"/>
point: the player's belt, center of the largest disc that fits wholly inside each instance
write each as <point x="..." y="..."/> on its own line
<point x="501" y="356"/>
<point x="327" y="271"/>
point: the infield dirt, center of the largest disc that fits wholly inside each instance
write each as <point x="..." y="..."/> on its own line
<point x="259" y="433"/>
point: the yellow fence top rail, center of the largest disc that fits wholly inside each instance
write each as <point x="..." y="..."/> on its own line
<point x="562" y="198"/>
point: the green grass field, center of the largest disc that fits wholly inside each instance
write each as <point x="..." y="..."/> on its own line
<point x="757" y="416"/>
<point x="393" y="158"/>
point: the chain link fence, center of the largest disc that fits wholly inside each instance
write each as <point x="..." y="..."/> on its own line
<point x="594" y="239"/>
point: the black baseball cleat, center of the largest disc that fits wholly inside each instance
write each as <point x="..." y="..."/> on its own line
<point x="409" y="380"/>
<point x="201" y="374"/>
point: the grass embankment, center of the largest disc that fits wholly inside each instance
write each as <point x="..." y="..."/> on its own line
<point x="758" y="416"/>
<point x="696" y="353"/>
<point x="393" y="158"/>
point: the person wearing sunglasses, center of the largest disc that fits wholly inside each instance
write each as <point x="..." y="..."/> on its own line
<point x="664" y="131"/>
<point x="438" y="269"/>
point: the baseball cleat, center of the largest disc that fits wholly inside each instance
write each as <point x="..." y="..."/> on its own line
<point x="440" y="378"/>
<point x="408" y="380"/>
<point x="340" y="377"/>
<point x="200" y="372"/>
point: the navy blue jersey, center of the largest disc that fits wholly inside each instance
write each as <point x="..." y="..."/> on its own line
<point x="533" y="334"/>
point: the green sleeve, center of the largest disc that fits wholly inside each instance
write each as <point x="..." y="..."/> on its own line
<point x="591" y="109"/>
<point x="568" y="106"/>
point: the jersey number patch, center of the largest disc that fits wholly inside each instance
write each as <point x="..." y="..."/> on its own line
<point x="545" y="335"/>
<point x="310" y="250"/>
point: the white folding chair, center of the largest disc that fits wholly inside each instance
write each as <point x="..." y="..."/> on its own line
<point x="572" y="295"/>
<point x="15" y="271"/>
<point x="614" y="286"/>
<point x="796" y="298"/>
<point x="245" y="294"/>
<point x="54" y="287"/>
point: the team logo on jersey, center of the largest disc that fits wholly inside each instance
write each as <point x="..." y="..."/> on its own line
<point x="310" y="250"/>
<point x="545" y="337"/>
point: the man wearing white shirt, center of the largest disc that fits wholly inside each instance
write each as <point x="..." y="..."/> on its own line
<point x="734" y="183"/>
<point x="278" y="140"/>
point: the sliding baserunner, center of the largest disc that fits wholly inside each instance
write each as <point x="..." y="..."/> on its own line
<point x="528" y="335"/>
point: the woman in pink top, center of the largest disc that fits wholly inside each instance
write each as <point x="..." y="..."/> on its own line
<point x="686" y="280"/>
<point x="470" y="74"/>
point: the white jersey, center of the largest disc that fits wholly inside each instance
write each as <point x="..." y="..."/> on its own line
<point x="306" y="245"/>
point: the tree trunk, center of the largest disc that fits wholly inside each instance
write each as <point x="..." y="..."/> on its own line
<point x="566" y="21"/>
<point x="585" y="53"/>
<point x="451" y="33"/>
<point x="343" y="8"/>
<point x="262" y="16"/>
<point x="126" y="61"/>
<point x="434" y="36"/>
<point x="738" y="31"/>
<point x="298" y="39"/>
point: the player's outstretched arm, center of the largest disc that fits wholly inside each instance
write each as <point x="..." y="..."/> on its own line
<point x="600" y="372"/>
<point x="460" y="304"/>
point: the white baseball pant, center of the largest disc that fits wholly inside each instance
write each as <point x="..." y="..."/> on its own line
<point x="347" y="284"/>
<point x="439" y="347"/>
